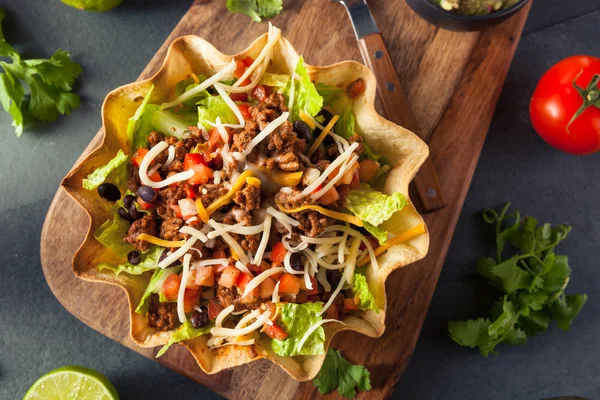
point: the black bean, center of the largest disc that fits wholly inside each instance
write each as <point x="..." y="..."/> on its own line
<point x="134" y="257"/>
<point x="133" y="211"/>
<point x="303" y="130"/>
<point x="296" y="262"/>
<point x="326" y="119"/>
<point x="326" y="116"/>
<point x="333" y="277"/>
<point x="127" y="200"/>
<point x="124" y="214"/>
<point x="164" y="255"/>
<point x="147" y="194"/>
<point x="109" y="192"/>
<point x="200" y="318"/>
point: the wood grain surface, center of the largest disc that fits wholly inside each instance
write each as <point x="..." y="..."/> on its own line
<point x="452" y="81"/>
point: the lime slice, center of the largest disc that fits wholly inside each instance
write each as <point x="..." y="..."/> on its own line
<point x="72" y="383"/>
<point x="93" y="5"/>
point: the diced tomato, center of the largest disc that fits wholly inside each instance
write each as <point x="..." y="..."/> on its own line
<point x="355" y="184"/>
<point x="317" y="188"/>
<point x="259" y="93"/>
<point x="278" y="253"/>
<point x="144" y="205"/>
<point x="246" y="82"/>
<point x="214" y="139"/>
<point x="218" y="254"/>
<point x="239" y="96"/>
<point x="356" y="88"/>
<point x="214" y="309"/>
<point x="242" y="281"/>
<point x="330" y="197"/>
<point x="244" y="109"/>
<point x="275" y="332"/>
<point x="139" y="156"/>
<point x="289" y="284"/>
<point x="192" y="159"/>
<point x="332" y="312"/>
<point x="240" y="68"/>
<point x="177" y="210"/>
<point x="155" y="177"/>
<point x="170" y="287"/>
<point x="191" y="298"/>
<point x="315" y="287"/>
<point x="202" y="174"/>
<point x="204" y="276"/>
<point x="190" y="193"/>
<point x="229" y="277"/>
<point x="350" y="304"/>
<point x="266" y="288"/>
<point x="219" y="268"/>
<point x="268" y="90"/>
<point x="248" y="61"/>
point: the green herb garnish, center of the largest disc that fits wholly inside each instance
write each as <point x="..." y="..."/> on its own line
<point x="338" y="373"/>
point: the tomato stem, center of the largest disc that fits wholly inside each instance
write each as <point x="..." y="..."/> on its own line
<point x="590" y="96"/>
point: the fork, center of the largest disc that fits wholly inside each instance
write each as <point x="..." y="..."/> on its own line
<point x="395" y="103"/>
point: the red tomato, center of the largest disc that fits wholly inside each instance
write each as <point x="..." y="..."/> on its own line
<point x="268" y="90"/>
<point x="333" y="312"/>
<point x="139" y="156"/>
<point x="170" y="287"/>
<point x="229" y="277"/>
<point x="248" y="61"/>
<point x="266" y="288"/>
<point x="319" y="187"/>
<point x="244" y="109"/>
<point x="239" y="96"/>
<point x="259" y="93"/>
<point x="288" y="283"/>
<point x="240" y="68"/>
<point x="243" y="280"/>
<point x="177" y="210"/>
<point x="190" y="192"/>
<point x="191" y="298"/>
<point x="216" y="163"/>
<point x="350" y="305"/>
<point x="355" y="184"/>
<point x="218" y="254"/>
<point x="278" y="253"/>
<point x="192" y="159"/>
<point x="214" y="139"/>
<point x="155" y="177"/>
<point x="202" y="174"/>
<point x="556" y="103"/>
<point x="275" y="332"/>
<point x="204" y="276"/>
<point x="214" y="309"/>
<point x="144" y="205"/>
<point x="356" y="88"/>
<point x="330" y="197"/>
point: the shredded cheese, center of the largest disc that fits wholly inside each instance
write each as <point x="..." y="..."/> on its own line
<point x="178" y="253"/>
<point x="160" y="242"/>
<point x="322" y="278"/>
<point x="170" y="158"/>
<point x="332" y="214"/>
<point x="266" y="132"/>
<point x="340" y="141"/>
<point x="312" y="329"/>
<point x="351" y="263"/>
<point x="221" y="229"/>
<point x="188" y="230"/>
<point x="253" y="181"/>
<point x="185" y="274"/>
<point x="242" y="267"/>
<point x="307" y="281"/>
<point x="366" y="242"/>
<point x="275" y="298"/>
<point x="345" y="168"/>
<point x="288" y="266"/>
<point x="341" y="248"/>
<point x="403" y="237"/>
<point x="239" y="251"/>
<point x="222" y="131"/>
<point x="299" y="247"/>
<point x="282" y="217"/>
<point x="256" y="281"/>
<point x="225" y="73"/>
<point x="337" y="162"/>
<point x="223" y="314"/>
<point x="231" y="104"/>
<point x="273" y="37"/>
<point x="333" y="296"/>
<point x="214" y="261"/>
<point x="217" y="177"/>
<point x="263" y="241"/>
<point x="260" y="321"/>
<point x="307" y="119"/>
<point x="321" y="240"/>
<point x="322" y="136"/>
<point x="145" y="164"/>
<point x="201" y="210"/>
<point x="225" y="199"/>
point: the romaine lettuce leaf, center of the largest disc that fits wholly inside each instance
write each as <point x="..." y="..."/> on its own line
<point x="148" y="262"/>
<point x="184" y="332"/>
<point x="173" y="124"/>
<point x="111" y="234"/>
<point x="117" y="168"/>
<point x="330" y="94"/>
<point x="155" y="286"/>
<point x="374" y="207"/>
<point x="306" y="97"/>
<point x="361" y="289"/>
<point x="140" y="125"/>
<point x="278" y="81"/>
<point x="212" y="107"/>
<point x="296" y="320"/>
<point x="345" y="127"/>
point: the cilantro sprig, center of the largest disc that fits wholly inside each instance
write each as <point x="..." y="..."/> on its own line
<point x="49" y="81"/>
<point x="338" y="373"/>
<point x="533" y="279"/>
<point x="256" y="9"/>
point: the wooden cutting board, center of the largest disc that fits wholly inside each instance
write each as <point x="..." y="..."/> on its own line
<point x="453" y="81"/>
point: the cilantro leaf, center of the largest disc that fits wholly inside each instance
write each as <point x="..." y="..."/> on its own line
<point x="511" y="276"/>
<point x="338" y="373"/>
<point x="256" y="9"/>
<point x="269" y="8"/>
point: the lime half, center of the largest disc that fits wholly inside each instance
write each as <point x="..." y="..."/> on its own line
<point x="93" y="5"/>
<point x="72" y="383"/>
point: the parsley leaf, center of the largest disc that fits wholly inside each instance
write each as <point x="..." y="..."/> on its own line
<point x="50" y="82"/>
<point x="532" y="278"/>
<point x="338" y="373"/>
<point x="256" y="9"/>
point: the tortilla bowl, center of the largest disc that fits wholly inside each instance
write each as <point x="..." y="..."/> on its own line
<point x="404" y="151"/>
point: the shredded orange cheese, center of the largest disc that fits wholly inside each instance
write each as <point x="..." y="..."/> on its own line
<point x="403" y="237"/>
<point x="201" y="211"/>
<point x="333" y="214"/>
<point x="159" y="242"/>
<point x="221" y="201"/>
<point x="323" y="135"/>
<point x="306" y="118"/>
<point x="195" y="78"/>
<point x="253" y="181"/>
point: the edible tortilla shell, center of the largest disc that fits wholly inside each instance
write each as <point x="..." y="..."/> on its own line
<point x="191" y="54"/>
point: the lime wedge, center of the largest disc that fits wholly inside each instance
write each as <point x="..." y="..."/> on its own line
<point x="93" y="5"/>
<point x="72" y="383"/>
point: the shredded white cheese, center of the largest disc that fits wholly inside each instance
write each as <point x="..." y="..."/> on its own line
<point x="260" y="321"/>
<point x="232" y="243"/>
<point x="288" y="266"/>
<point x="267" y="131"/>
<point x="333" y="296"/>
<point x="322" y="278"/>
<point x="307" y="281"/>
<point x="170" y="158"/>
<point x="148" y="158"/>
<point x="321" y="240"/>
<point x="188" y="230"/>
<point x="273" y="37"/>
<point x="359" y="235"/>
<point x="242" y="267"/>
<point x="263" y="241"/>
<point x="282" y="217"/>
<point x="231" y="104"/>
<point x="275" y="297"/>
<point x="178" y="253"/>
<point x="256" y="281"/>
<point x="222" y="315"/>
<point x="351" y="262"/>
<point x="214" y="261"/>
<point x="184" y="278"/>
<point x="342" y="247"/>
<point x="313" y="328"/>
<point x="217" y="177"/>
<point x="335" y="179"/>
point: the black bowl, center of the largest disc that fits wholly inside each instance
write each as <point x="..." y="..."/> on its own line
<point x="437" y="16"/>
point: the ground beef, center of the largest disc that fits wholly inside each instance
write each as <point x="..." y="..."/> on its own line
<point x="263" y="117"/>
<point x="321" y="165"/>
<point x="276" y="102"/>
<point x="358" y="139"/>
<point x="237" y="215"/>
<point x="317" y="156"/>
<point x="248" y="198"/>
<point x="286" y="162"/>
<point x="288" y="200"/>
<point x="180" y="151"/>
<point x="210" y="192"/>
<point x="312" y="222"/>
<point x="333" y="152"/>
<point x="133" y="179"/>
<point x="168" y="197"/>
<point x="243" y="137"/>
<point x="251" y="242"/>
<point x="283" y="139"/>
<point x="155" y="138"/>
<point x="169" y="229"/>
<point x="229" y="296"/>
<point x="162" y="316"/>
<point x="146" y="224"/>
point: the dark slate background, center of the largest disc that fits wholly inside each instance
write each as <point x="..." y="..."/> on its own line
<point x="38" y="335"/>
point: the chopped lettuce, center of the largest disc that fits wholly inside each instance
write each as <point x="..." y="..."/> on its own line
<point x="306" y="97"/>
<point x="111" y="234"/>
<point x="140" y="125"/>
<point x="361" y="289"/>
<point x="296" y="320"/>
<point x="117" y="168"/>
<point x="212" y="107"/>
<point x="155" y="286"/>
<point x="148" y="262"/>
<point x="330" y="94"/>
<point x="184" y="332"/>
<point x="278" y="81"/>
<point x="374" y="207"/>
<point x="173" y="124"/>
<point x="345" y="127"/>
